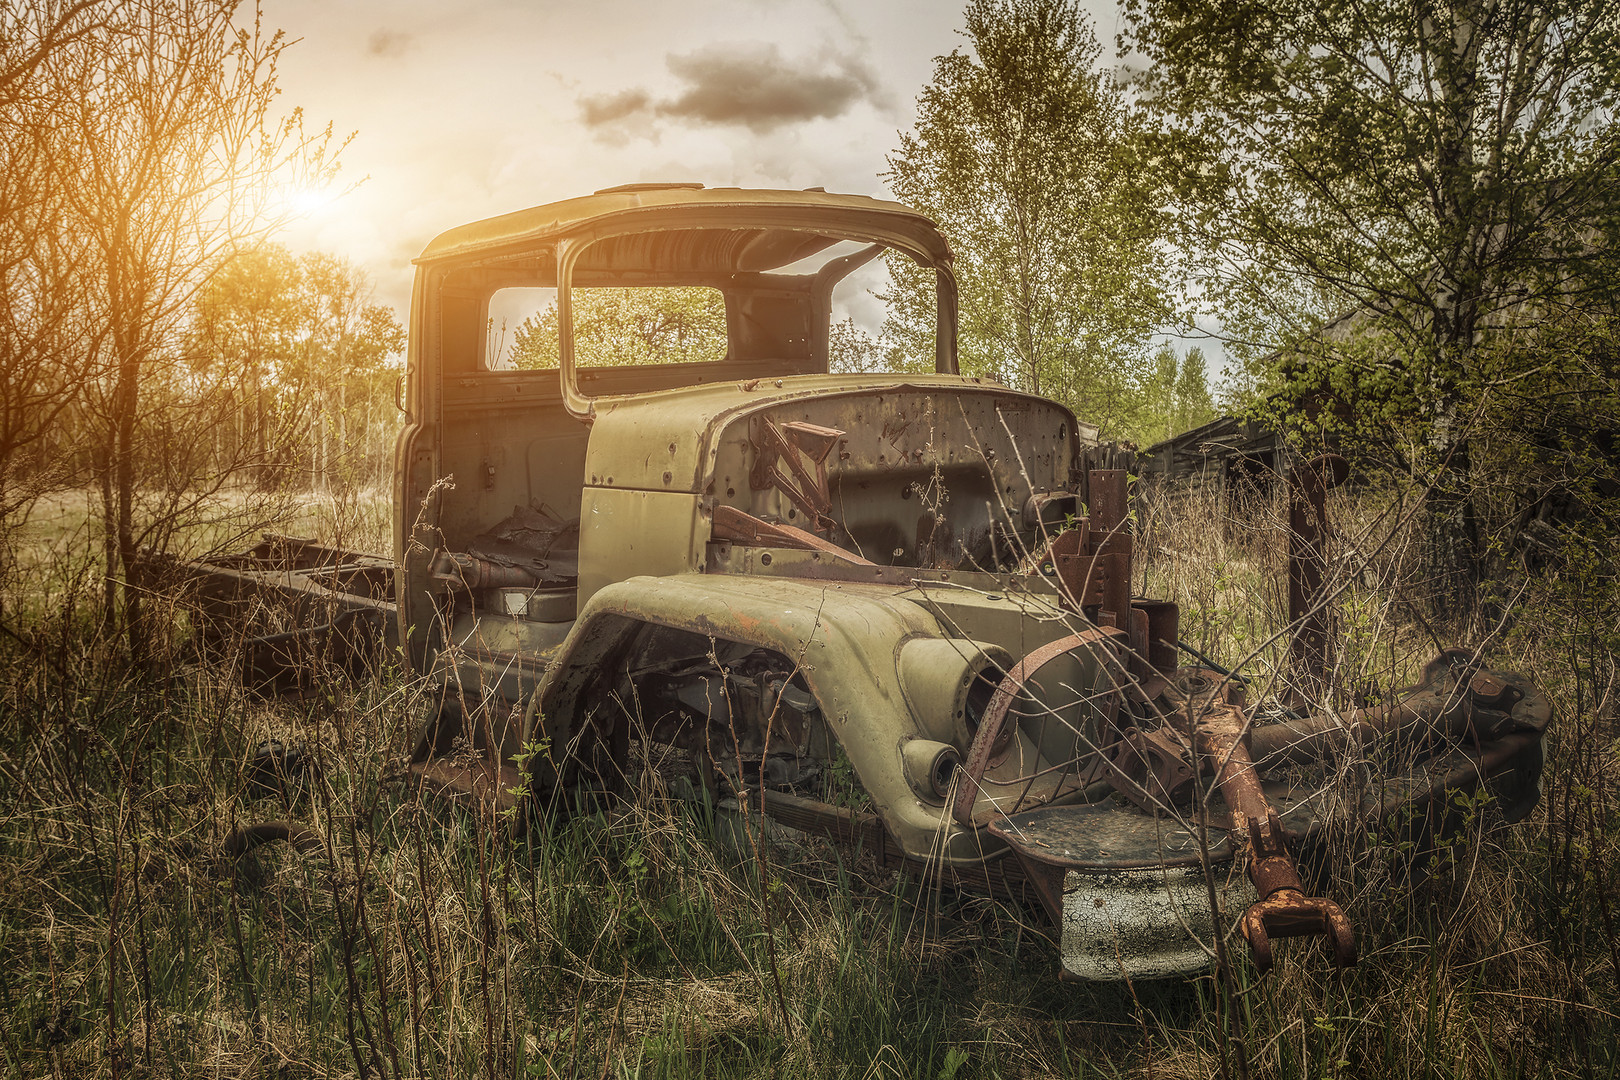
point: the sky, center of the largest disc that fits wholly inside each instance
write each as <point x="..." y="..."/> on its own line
<point x="466" y="109"/>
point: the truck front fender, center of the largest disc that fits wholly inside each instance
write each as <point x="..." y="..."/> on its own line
<point x="846" y="640"/>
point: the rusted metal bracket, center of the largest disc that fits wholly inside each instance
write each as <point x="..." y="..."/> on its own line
<point x="1092" y="564"/>
<point x="740" y="527"/>
<point x="793" y="444"/>
<point x="1309" y="549"/>
<point x="1283" y="909"/>
<point x="1110" y="537"/>
<point x="1152" y="768"/>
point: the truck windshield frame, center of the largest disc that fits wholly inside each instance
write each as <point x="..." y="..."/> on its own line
<point x="570" y="249"/>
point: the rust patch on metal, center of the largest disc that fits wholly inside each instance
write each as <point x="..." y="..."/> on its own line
<point x="483" y="783"/>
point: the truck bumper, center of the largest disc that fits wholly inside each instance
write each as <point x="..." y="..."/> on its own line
<point x="1150" y="923"/>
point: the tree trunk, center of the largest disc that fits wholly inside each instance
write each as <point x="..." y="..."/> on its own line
<point x="1452" y="559"/>
<point x="126" y="399"/>
<point x="1451" y="554"/>
<point x="343" y="415"/>
<point x="109" y="538"/>
<point x="317" y="452"/>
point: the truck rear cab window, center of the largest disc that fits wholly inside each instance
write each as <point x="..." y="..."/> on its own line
<point x="613" y="327"/>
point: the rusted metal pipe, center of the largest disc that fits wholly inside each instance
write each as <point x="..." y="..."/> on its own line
<point x="473" y="573"/>
<point x="1453" y="699"/>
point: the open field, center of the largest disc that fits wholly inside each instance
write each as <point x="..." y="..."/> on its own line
<point x="360" y="518"/>
<point x="404" y="937"/>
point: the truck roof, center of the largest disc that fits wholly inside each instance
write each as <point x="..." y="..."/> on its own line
<point x="746" y="229"/>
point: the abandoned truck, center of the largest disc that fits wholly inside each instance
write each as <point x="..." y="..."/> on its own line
<point x="656" y="525"/>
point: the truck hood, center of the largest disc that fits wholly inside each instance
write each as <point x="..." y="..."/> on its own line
<point x="669" y="441"/>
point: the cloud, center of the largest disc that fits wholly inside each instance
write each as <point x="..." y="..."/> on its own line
<point x="747" y="84"/>
<point x="609" y="108"/>
<point x="756" y="86"/>
<point x="390" y="44"/>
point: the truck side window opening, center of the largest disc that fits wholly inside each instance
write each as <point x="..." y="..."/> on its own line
<point x="516" y="319"/>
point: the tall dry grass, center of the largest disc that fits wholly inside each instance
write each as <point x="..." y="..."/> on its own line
<point x="403" y="936"/>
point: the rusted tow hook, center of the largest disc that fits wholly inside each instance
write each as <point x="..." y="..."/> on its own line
<point x="1216" y="723"/>
<point x="1283" y="909"/>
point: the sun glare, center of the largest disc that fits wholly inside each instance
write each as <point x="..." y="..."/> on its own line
<point x="303" y="202"/>
<point x="312" y="200"/>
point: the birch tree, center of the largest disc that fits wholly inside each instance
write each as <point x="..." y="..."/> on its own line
<point x="1022" y="153"/>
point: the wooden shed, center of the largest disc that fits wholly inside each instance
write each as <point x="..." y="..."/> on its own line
<point x="1237" y="458"/>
